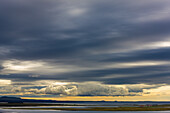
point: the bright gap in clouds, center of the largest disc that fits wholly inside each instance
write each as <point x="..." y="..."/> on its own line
<point x="165" y="44"/>
<point x="136" y="64"/>
<point x="17" y="65"/>
<point x="60" y="83"/>
<point x="76" y="11"/>
<point x="5" y="82"/>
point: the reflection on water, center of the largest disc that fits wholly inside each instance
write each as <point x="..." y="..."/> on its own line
<point x="51" y="107"/>
<point x="58" y="106"/>
<point x="58" y="111"/>
<point x="83" y="105"/>
<point x="52" y="111"/>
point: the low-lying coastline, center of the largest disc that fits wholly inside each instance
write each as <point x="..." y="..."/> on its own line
<point x="101" y="109"/>
<point x="36" y="106"/>
<point x="31" y="104"/>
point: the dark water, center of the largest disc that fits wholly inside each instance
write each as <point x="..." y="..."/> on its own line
<point x="116" y="103"/>
<point x="52" y="111"/>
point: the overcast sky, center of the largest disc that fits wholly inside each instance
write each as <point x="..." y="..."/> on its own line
<point x="84" y="47"/>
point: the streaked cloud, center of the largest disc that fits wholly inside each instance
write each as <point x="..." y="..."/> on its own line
<point x="65" y="42"/>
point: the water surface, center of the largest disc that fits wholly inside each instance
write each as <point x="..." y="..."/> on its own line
<point x="58" y="111"/>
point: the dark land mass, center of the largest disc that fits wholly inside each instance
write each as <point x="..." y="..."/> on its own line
<point x="18" y="103"/>
<point x="6" y="99"/>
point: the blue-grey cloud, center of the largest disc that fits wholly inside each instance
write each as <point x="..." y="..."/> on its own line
<point x="89" y="36"/>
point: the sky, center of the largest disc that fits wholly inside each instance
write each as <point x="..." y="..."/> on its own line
<point x="74" y="49"/>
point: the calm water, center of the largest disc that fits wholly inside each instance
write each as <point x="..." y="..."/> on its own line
<point x="51" y="111"/>
<point x="98" y="104"/>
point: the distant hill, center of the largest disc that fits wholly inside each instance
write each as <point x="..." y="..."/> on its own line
<point x="7" y="99"/>
<point x="11" y="99"/>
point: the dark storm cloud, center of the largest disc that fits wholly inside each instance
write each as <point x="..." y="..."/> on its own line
<point x="1" y="68"/>
<point x="87" y="34"/>
<point x="137" y="75"/>
<point x="158" y="74"/>
<point x="150" y="79"/>
<point x="162" y="54"/>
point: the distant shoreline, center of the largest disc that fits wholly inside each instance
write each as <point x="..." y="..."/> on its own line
<point x="98" y="109"/>
<point x="86" y="108"/>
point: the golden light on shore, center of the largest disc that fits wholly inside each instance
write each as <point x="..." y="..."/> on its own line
<point x="104" y="98"/>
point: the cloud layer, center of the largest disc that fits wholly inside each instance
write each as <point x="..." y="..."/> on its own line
<point x="109" y="42"/>
<point x="79" y="89"/>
